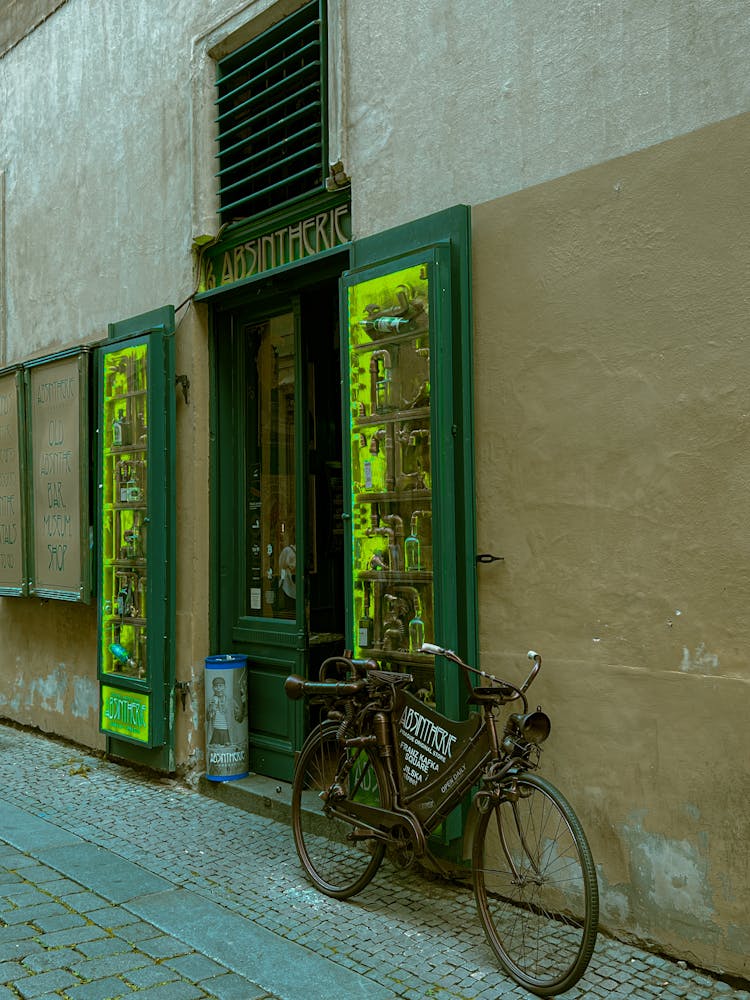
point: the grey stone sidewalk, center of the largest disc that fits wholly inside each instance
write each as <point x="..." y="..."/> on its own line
<point x="114" y="883"/>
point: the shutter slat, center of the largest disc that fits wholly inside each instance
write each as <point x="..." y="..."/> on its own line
<point x="286" y="86"/>
<point x="274" y="167"/>
<point x="293" y="57"/>
<point x="271" y="149"/>
<point x="271" y="187"/>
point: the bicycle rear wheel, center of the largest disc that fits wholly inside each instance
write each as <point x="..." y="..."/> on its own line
<point x="338" y="856"/>
<point x="535" y="886"/>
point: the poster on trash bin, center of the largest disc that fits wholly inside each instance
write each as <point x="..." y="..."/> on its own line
<point x="226" y="718"/>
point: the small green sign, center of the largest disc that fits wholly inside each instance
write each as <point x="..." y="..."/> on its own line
<point x="125" y="713"/>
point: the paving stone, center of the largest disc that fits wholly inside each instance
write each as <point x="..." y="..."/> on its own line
<point x="23" y="894"/>
<point x="108" y="916"/>
<point x="150" y="975"/>
<point x="104" y="946"/>
<point x="102" y="989"/>
<point x="172" y="991"/>
<point x="163" y="947"/>
<point x="139" y="931"/>
<point x="195" y="967"/>
<point x="233" y="987"/>
<point x="10" y="971"/>
<point x="45" y="982"/>
<point x="16" y="932"/>
<point x="71" y="936"/>
<point x="59" y="922"/>
<point x="409" y="928"/>
<point x="56" y="958"/>
<point x="109" y="965"/>
<point x="30" y="914"/>
<point x="18" y="950"/>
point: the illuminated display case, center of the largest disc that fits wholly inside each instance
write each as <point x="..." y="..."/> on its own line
<point x="135" y="505"/>
<point x="394" y="452"/>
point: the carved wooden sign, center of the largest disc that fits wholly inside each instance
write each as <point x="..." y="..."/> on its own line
<point x="57" y="414"/>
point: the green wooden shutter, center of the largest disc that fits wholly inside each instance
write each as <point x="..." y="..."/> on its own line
<point x="271" y="120"/>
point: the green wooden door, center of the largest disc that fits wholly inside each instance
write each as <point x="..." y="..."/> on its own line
<point x="279" y="577"/>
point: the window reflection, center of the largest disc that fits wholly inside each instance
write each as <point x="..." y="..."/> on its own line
<point x="270" y="486"/>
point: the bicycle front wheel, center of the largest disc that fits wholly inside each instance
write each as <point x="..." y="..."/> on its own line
<point x="535" y="886"/>
<point x="339" y="857"/>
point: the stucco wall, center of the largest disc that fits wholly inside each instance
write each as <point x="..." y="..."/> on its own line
<point x="451" y="102"/>
<point x="612" y="422"/>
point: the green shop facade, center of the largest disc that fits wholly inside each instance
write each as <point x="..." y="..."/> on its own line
<point x="342" y="465"/>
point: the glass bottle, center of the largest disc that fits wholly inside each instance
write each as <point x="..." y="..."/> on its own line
<point x="412" y="547"/>
<point x="366" y="625"/>
<point x="385" y="325"/>
<point x="416" y="628"/>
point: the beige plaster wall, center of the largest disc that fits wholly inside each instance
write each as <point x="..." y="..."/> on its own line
<point x="613" y="469"/>
<point x="192" y="525"/>
<point x="48" y="674"/>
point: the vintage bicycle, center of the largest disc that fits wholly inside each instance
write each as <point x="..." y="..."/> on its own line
<point x="383" y="770"/>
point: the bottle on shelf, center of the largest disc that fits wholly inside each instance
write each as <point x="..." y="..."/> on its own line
<point x="385" y="326"/>
<point x="120" y="430"/>
<point x="366" y="624"/>
<point x="122" y="474"/>
<point x="416" y="628"/>
<point x="414" y="556"/>
<point x="123" y="657"/>
<point x="411" y="547"/>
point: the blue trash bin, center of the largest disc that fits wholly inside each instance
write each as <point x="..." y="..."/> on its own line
<point x="227" y="751"/>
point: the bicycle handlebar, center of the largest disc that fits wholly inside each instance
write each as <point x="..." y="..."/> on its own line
<point x="297" y="687"/>
<point x="430" y="647"/>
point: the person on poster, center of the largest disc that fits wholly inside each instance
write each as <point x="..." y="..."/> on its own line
<point x="217" y="714"/>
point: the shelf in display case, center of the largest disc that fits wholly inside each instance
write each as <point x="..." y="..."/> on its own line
<point x="391" y="417"/>
<point x="394" y="339"/>
<point x="396" y="576"/>
<point x="391" y="496"/>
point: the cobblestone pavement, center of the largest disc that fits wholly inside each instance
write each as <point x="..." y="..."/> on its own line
<point x="114" y="883"/>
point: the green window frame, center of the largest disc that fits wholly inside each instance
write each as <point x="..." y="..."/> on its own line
<point x="272" y="117"/>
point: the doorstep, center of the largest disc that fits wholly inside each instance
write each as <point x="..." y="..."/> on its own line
<point x="255" y="794"/>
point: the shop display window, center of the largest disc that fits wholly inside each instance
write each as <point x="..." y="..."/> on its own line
<point x="125" y="508"/>
<point x="391" y="471"/>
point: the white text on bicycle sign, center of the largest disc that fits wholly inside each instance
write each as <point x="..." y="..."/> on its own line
<point x="426" y="747"/>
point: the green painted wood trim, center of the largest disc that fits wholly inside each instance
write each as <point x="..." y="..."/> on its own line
<point x="156" y="329"/>
<point x="23" y="587"/>
<point x="136" y="326"/>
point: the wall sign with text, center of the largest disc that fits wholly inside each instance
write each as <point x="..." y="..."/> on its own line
<point x="58" y="476"/>
<point x="13" y="577"/>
